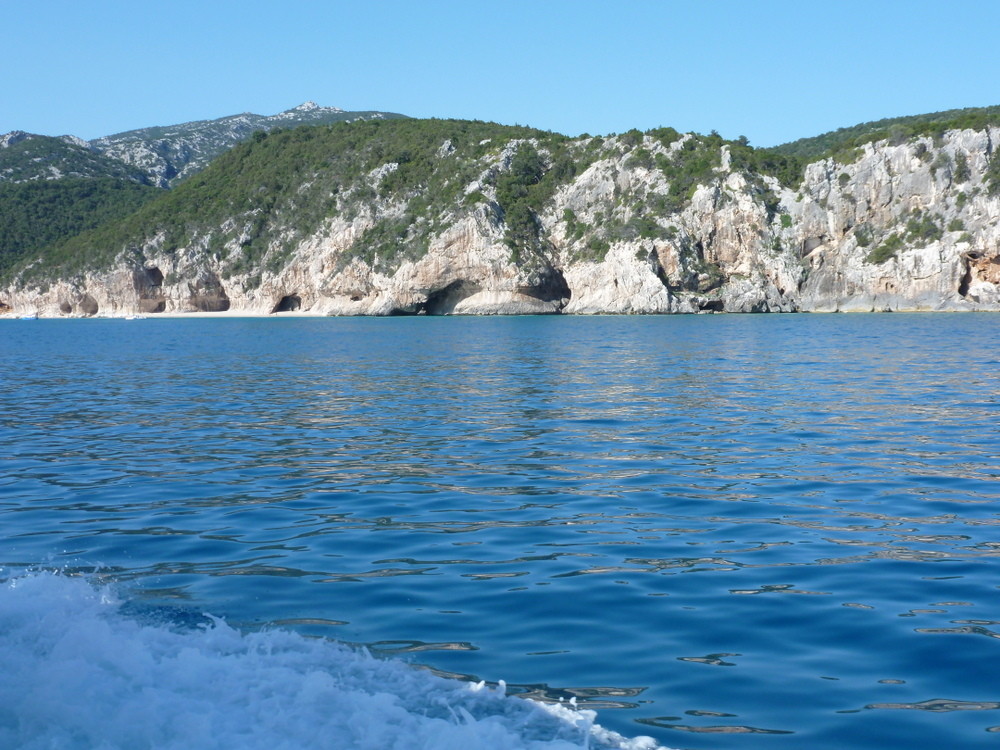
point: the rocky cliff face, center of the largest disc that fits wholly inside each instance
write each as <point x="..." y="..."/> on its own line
<point x="902" y="227"/>
<point x="928" y="200"/>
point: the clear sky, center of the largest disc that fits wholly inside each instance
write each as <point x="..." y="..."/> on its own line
<point x="771" y="70"/>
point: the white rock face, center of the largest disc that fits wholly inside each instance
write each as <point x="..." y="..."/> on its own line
<point x="742" y="243"/>
<point x="14" y="136"/>
<point x="619" y="284"/>
<point x="880" y="195"/>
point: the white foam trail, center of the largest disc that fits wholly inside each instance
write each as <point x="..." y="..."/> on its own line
<point x="77" y="674"/>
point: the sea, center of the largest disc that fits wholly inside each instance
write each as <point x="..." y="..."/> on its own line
<point x="736" y="532"/>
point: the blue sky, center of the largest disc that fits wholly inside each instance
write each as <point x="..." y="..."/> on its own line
<point x="773" y="71"/>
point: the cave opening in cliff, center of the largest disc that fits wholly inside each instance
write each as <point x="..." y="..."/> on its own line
<point x="154" y="276"/>
<point x="288" y="303"/>
<point x="149" y="285"/>
<point x="88" y="306"/>
<point x="444" y="301"/>
<point x="209" y="298"/>
<point x="550" y="286"/>
<point x="966" y="280"/>
<point x="152" y="306"/>
<point x="209" y="302"/>
<point x="963" y="285"/>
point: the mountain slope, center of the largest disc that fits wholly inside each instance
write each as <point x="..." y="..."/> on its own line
<point x="269" y="193"/>
<point x="39" y="213"/>
<point x="45" y="197"/>
<point x="894" y="128"/>
<point x="55" y="188"/>
<point x="169" y="154"/>
<point x="25" y="157"/>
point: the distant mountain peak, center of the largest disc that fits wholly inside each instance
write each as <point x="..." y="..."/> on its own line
<point x="308" y="108"/>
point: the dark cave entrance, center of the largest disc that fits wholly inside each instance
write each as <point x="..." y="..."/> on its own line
<point x="288" y="303"/>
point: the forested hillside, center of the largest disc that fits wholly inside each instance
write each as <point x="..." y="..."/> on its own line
<point x="894" y="129"/>
<point x="25" y="157"/>
<point x="39" y="214"/>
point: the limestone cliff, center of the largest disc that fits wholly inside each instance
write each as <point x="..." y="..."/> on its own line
<point x="910" y="226"/>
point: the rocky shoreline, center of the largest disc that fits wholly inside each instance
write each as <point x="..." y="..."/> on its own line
<point x="904" y="227"/>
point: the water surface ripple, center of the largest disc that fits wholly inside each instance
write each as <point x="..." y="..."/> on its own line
<point x="723" y="531"/>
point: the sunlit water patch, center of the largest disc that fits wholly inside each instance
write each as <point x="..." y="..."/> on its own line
<point x="739" y="531"/>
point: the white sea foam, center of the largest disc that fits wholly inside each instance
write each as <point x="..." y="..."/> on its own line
<point x="78" y="672"/>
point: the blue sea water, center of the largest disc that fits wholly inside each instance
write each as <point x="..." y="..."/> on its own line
<point x="727" y="532"/>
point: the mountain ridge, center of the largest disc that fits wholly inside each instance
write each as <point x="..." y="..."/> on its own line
<point x="906" y="125"/>
<point x="171" y="153"/>
<point x="166" y="154"/>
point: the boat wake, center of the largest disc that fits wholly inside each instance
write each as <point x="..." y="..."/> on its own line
<point x="85" y="669"/>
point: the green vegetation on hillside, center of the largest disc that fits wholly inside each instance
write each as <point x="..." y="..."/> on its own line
<point x="696" y="162"/>
<point x="532" y="180"/>
<point x="693" y="164"/>
<point x="785" y="168"/>
<point x="174" y="152"/>
<point x="921" y="229"/>
<point x="895" y="129"/>
<point x="36" y="214"/>
<point x="279" y="187"/>
<point x="41" y="157"/>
